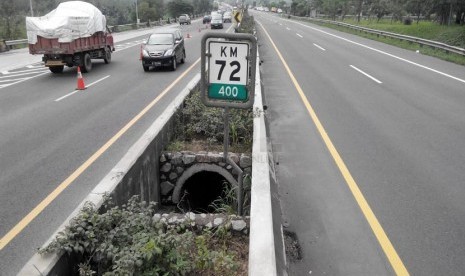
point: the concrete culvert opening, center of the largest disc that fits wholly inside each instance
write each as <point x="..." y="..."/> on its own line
<point x="201" y="190"/>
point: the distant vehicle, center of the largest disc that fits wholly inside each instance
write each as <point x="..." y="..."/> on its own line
<point x="280" y="11"/>
<point x="266" y="9"/>
<point x="184" y="19"/>
<point x="207" y="19"/>
<point x="274" y="9"/>
<point x="217" y="21"/>
<point x="227" y="17"/>
<point x="163" y="49"/>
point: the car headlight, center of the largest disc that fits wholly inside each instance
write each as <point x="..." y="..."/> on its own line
<point x="168" y="52"/>
<point x="145" y="53"/>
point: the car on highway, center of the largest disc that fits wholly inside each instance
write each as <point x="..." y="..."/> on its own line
<point x="184" y="19"/>
<point x="217" y="21"/>
<point x="164" y="49"/>
<point x="227" y="17"/>
<point x="206" y="19"/>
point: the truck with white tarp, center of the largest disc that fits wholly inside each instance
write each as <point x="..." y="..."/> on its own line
<point x="72" y="34"/>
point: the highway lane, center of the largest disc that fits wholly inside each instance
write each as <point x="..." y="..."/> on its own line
<point x="396" y="119"/>
<point x="44" y="140"/>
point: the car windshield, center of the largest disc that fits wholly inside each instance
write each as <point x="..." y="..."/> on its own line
<point x="160" y="39"/>
<point x="217" y="16"/>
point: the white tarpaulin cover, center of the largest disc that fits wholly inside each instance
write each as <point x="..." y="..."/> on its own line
<point x="70" y="20"/>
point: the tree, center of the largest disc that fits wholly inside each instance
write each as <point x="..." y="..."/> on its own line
<point x="177" y="7"/>
<point x="419" y="8"/>
<point x="8" y="10"/>
<point x="380" y="8"/>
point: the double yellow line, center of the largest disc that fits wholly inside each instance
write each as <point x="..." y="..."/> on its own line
<point x="376" y="227"/>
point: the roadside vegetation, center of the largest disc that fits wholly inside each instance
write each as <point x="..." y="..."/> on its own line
<point x="127" y="240"/>
<point x="201" y="128"/>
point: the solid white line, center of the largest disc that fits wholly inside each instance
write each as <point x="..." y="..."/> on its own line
<point x="75" y="91"/>
<point x="299" y="35"/>
<point x="374" y="79"/>
<point x="384" y="53"/>
<point x="318" y="46"/>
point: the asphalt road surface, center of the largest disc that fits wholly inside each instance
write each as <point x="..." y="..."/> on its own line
<point x="48" y="131"/>
<point x="370" y="144"/>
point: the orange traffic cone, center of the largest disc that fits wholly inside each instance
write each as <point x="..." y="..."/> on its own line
<point x="80" y="80"/>
<point x="140" y="58"/>
<point x="188" y="35"/>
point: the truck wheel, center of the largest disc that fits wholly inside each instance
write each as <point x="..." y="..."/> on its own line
<point x="174" y="65"/>
<point x="87" y="63"/>
<point x="107" y="57"/>
<point x="56" y="69"/>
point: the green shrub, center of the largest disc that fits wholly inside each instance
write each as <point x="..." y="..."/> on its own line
<point x="247" y="24"/>
<point x="197" y="121"/>
<point x="126" y="241"/>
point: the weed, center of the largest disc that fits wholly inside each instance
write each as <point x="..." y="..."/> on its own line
<point x="126" y="241"/>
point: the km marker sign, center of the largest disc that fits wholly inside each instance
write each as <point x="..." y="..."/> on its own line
<point x="225" y="81"/>
<point x="228" y="70"/>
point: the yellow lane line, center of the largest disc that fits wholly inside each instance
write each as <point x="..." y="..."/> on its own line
<point x="55" y="193"/>
<point x="376" y="227"/>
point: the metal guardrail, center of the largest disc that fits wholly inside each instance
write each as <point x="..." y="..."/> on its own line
<point x="421" y="41"/>
<point x="15" y="42"/>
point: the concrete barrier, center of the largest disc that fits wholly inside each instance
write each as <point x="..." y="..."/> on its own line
<point x="136" y="173"/>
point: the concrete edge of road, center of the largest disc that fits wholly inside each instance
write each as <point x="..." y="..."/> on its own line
<point x="262" y="259"/>
<point x="262" y="256"/>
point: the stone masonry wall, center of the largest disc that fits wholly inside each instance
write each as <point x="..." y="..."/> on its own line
<point x="174" y="164"/>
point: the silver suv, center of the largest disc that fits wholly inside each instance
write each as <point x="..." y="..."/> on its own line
<point x="184" y="19"/>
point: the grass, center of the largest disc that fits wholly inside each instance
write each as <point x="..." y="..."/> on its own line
<point x="452" y="35"/>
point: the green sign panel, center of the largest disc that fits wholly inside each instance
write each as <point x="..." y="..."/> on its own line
<point x="231" y="92"/>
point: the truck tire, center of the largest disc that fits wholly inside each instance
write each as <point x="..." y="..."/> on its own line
<point x="56" y="69"/>
<point x="87" y="63"/>
<point x="107" y="57"/>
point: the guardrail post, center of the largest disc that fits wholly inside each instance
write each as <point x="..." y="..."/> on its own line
<point x="3" y="46"/>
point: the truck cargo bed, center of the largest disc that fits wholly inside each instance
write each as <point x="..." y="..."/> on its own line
<point x="52" y="46"/>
